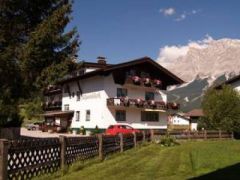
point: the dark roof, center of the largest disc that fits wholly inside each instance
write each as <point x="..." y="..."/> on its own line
<point x="195" y="113"/>
<point x="229" y="81"/>
<point x="57" y="113"/>
<point x="109" y="68"/>
<point x="95" y="65"/>
<point x="180" y="115"/>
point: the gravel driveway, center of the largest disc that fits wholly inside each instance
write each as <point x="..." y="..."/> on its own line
<point x="40" y="134"/>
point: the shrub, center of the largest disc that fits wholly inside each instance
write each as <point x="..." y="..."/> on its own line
<point x="168" y="141"/>
<point x="95" y="131"/>
<point x="82" y="130"/>
<point x="11" y="121"/>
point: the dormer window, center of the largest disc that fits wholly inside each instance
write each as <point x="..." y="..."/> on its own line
<point x="121" y="92"/>
<point x="149" y="96"/>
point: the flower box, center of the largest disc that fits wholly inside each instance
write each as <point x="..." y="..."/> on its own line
<point x="157" y="83"/>
<point x="136" y="80"/>
<point x="147" y="81"/>
<point x="139" y="102"/>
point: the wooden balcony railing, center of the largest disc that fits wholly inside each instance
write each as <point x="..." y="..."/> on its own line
<point x="55" y="105"/>
<point x="53" y="89"/>
<point x="139" y="103"/>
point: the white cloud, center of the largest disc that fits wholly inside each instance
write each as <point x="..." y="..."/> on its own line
<point x="168" y="11"/>
<point x="184" y="15"/>
<point x="181" y="17"/>
<point x="169" y="54"/>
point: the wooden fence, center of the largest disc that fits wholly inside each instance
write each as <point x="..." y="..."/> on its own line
<point x="187" y="135"/>
<point x="28" y="158"/>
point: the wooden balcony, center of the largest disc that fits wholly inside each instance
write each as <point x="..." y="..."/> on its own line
<point x="148" y="83"/>
<point x="140" y="104"/>
<point x="52" y="106"/>
<point x="53" y="89"/>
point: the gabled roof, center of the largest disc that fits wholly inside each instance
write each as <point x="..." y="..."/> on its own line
<point x="195" y="113"/>
<point x="229" y="81"/>
<point x="182" y="115"/>
<point x="109" y="68"/>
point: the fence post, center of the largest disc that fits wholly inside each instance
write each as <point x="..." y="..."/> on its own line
<point x="144" y="136"/>
<point x="152" y="135"/>
<point x="63" y="151"/>
<point x="121" y="142"/>
<point x="189" y="135"/>
<point x="4" y="145"/>
<point x="232" y="135"/>
<point x="219" y="133"/>
<point x="135" y="139"/>
<point x="100" y="146"/>
<point x="205" y="134"/>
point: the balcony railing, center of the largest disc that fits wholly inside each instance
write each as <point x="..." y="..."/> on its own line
<point x="52" y="89"/>
<point x="139" y="103"/>
<point x="51" y="106"/>
<point x="144" y="82"/>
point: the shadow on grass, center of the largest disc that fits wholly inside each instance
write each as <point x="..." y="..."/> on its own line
<point x="228" y="173"/>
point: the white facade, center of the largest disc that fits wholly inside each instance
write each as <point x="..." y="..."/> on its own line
<point x="179" y="120"/>
<point x="95" y="92"/>
<point x="193" y="126"/>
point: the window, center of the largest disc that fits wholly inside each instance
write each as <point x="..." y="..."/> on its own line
<point x="149" y="116"/>
<point x="120" y="116"/>
<point x="77" y="115"/>
<point x="78" y="95"/>
<point x="66" y="107"/>
<point x="121" y="92"/>
<point x="149" y="96"/>
<point x="88" y="115"/>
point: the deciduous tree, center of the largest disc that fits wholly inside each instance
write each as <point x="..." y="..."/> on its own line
<point x="222" y="109"/>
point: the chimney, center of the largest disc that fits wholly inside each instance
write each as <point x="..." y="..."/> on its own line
<point x="101" y="60"/>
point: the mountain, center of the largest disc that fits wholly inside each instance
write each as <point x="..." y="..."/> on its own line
<point x="201" y="66"/>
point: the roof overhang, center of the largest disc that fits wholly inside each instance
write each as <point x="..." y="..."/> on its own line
<point x="108" y="69"/>
<point x="58" y="113"/>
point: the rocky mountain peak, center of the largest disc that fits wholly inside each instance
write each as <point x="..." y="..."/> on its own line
<point x="214" y="58"/>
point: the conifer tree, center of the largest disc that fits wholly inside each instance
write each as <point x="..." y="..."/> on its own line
<point x="33" y="45"/>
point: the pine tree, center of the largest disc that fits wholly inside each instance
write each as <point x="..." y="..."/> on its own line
<point x="33" y="45"/>
<point x="49" y="51"/>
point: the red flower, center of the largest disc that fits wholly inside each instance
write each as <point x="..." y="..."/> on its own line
<point x="157" y="82"/>
<point x="146" y="80"/>
<point x="136" y="78"/>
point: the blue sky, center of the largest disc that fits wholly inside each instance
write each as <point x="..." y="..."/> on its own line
<point x="127" y="29"/>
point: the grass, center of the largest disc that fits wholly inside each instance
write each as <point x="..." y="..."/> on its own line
<point x="189" y="160"/>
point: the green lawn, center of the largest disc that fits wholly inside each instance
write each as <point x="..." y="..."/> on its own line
<point x="188" y="160"/>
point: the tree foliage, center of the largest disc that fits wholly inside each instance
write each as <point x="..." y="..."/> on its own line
<point x="222" y="109"/>
<point x="35" y="49"/>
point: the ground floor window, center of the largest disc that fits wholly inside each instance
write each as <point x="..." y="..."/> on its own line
<point x="149" y="116"/>
<point x="120" y="115"/>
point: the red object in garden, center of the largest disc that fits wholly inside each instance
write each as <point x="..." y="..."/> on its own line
<point x="120" y="129"/>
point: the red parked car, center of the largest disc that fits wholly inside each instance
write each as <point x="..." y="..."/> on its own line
<point x="120" y="129"/>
